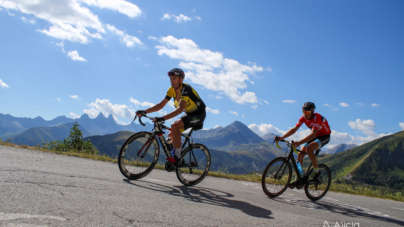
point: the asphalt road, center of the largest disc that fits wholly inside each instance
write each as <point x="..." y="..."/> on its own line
<point x="45" y="189"/>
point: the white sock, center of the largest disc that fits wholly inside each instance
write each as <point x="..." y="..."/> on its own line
<point x="178" y="152"/>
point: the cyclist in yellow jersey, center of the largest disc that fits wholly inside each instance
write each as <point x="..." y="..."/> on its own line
<point x="187" y="100"/>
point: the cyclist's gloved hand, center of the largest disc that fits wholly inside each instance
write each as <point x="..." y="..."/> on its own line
<point x="160" y="119"/>
<point x="141" y="112"/>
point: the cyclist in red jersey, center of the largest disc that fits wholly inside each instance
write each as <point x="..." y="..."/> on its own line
<point x="319" y="136"/>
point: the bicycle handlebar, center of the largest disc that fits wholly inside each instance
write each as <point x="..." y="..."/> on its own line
<point x="289" y="144"/>
<point x="140" y="119"/>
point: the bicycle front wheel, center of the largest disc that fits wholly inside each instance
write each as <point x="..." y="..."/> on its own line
<point x="138" y="155"/>
<point x="195" y="165"/>
<point x="276" y="177"/>
<point x="318" y="187"/>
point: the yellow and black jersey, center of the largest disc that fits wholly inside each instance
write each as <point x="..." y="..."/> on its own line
<point x="189" y="95"/>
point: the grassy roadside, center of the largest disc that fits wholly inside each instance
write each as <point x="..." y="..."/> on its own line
<point x="336" y="186"/>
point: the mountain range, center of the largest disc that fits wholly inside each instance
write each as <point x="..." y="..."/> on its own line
<point x="14" y="127"/>
<point x="234" y="148"/>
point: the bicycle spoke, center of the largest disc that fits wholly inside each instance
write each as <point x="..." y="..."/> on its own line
<point x="276" y="176"/>
<point x="196" y="165"/>
<point x="319" y="186"/>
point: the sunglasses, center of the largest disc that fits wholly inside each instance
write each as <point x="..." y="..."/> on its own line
<point x="173" y="74"/>
<point x="306" y="112"/>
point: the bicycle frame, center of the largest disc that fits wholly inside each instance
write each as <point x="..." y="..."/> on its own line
<point x="290" y="158"/>
<point x="158" y="133"/>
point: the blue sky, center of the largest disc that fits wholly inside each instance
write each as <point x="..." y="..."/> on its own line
<point x="254" y="62"/>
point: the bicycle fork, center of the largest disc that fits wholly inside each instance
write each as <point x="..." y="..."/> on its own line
<point x="148" y="144"/>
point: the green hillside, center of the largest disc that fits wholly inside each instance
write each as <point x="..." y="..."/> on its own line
<point x="379" y="162"/>
<point x="37" y="135"/>
<point x="110" y="144"/>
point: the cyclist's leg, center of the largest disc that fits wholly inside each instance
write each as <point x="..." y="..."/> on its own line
<point x="314" y="145"/>
<point x="176" y="128"/>
<point x="311" y="147"/>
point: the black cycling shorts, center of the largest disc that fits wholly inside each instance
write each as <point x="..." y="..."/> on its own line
<point x="193" y="119"/>
<point x="321" y="141"/>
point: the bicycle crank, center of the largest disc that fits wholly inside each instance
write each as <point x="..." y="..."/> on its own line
<point x="169" y="166"/>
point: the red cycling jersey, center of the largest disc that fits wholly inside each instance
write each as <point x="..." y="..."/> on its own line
<point x="317" y="121"/>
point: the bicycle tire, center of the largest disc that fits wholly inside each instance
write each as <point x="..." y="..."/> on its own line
<point x="276" y="184"/>
<point x="133" y="166"/>
<point x="195" y="166"/>
<point x="312" y="189"/>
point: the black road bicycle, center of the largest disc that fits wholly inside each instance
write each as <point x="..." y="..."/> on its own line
<point x="278" y="173"/>
<point x="140" y="153"/>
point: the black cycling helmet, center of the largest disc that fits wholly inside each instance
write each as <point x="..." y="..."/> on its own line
<point x="308" y="106"/>
<point x="177" y="72"/>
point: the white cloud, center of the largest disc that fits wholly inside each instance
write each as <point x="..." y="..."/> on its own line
<point x="178" y="19"/>
<point x="121" y="122"/>
<point x="74" y="55"/>
<point x="61" y="44"/>
<point x="69" y="19"/>
<point x="264" y="129"/>
<point x="212" y="111"/>
<point x="366" y="127"/>
<point x="233" y="112"/>
<point x="243" y="115"/>
<point x="74" y="96"/>
<point x="149" y="104"/>
<point x="92" y="112"/>
<point x="210" y="69"/>
<point x="59" y="99"/>
<point x="137" y="103"/>
<point x="268" y="69"/>
<point x="289" y="101"/>
<point x="153" y="38"/>
<point x="336" y="137"/>
<point x="343" y="104"/>
<point x="254" y="107"/>
<point x="130" y="41"/>
<point x="252" y="82"/>
<point x="401" y="125"/>
<point x="335" y="109"/>
<point x="2" y="84"/>
<point x="27" y="21"/>
<point x="74" y="115"/>
<point x="326" y="104"/>
<point x="129" y="9"/>
<point x="106" y="107"/>
<point x="198" y="18"/>
<point x="359" y="104"/>
<point x="375" y="105"/>
<point x="266" y="101"/>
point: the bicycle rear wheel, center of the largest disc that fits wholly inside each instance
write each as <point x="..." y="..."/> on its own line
<point x="138" y="155"/>
<point x="276" y="177"/>
<point x="195" y="166"/>
<point x="317" y="188"/>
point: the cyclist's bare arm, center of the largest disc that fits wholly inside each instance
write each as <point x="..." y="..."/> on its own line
<point x="157" y="107"/>
<point x="289" y="133"/>
<point x="177" y="111"/>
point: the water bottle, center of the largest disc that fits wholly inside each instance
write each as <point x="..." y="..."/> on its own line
<point x="299" y="167"/>
<point x="169" y="144"/>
